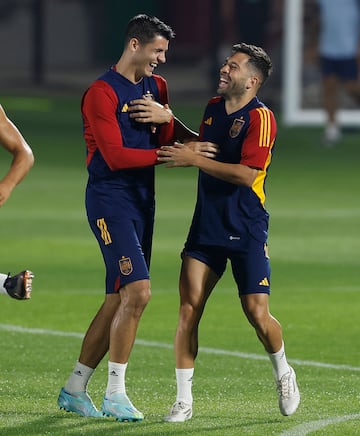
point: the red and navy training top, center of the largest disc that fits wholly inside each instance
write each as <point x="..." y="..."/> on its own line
<point x="226" y="212"/>
<point x="121" y="153"/>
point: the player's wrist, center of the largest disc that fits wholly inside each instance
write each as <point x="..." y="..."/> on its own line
<point x="169" y="116"/>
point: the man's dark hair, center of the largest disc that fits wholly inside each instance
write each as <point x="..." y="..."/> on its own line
<point x="259" y="59"/>
<point x="144" y="28"/>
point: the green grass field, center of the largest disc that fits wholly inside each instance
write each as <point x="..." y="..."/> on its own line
<point x="314" y="241"/>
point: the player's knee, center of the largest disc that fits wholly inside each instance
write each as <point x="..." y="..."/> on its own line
<point x="190" y="313"/>
<point x="256" y="315"/>
<point x="136" y="295"/>
<point x="143" y="296"/>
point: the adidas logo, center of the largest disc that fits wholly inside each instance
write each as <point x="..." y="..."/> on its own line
<point x="113" y="373"/>
<point x="264" y="282"/>
<point x="125" y="108"/>
<point x="208" y="121"/>
<point x="78" y="373"/>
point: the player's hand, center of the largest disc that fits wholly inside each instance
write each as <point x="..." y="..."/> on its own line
<point x="185" y="155"/>
<point x="177" y="155"/>
<point x="206" y="149"/>
<point x="146" y="110"/>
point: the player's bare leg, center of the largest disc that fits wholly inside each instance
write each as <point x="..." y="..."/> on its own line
<point x="268" y="330"/>
<point x="113" y="329"/>
<point x="196" y="283"/>
<point x="73" y="396"/>
<point x="96" y="341"/>
<point x="134" y="298"/>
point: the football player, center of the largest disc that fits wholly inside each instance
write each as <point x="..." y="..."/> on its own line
<point x="230" y="222"/>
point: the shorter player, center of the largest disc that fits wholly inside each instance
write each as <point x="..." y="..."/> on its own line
<point x="230" y="222"/>
<point x="18" y="286"/>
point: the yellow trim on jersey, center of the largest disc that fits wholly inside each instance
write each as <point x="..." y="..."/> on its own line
<point x="265" y="127"/>
<point x="105" y="234"/>
<point x="264" y="141"/>
<point x="258" y="185"/>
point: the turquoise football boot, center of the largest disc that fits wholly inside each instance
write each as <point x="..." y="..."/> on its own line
<point x="79" y="403"/>
<point x="121" y="408"/>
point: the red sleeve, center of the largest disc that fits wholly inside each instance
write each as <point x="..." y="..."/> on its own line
<point x="167" y="134"/>
<point x="259" y="139"/>
<point x="101" y="131"/>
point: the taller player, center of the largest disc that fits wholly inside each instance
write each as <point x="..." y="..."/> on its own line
<point x="230" y="222"/>
<point x="126" y="118"/>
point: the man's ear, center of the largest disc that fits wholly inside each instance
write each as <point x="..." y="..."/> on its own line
<point x="253" y="82"/>
<point x="134" y="44"/>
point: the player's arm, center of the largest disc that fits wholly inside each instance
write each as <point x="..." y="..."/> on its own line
<point x="146" y="110"/>
<point x="23" y="159"/>
<point x="149" y="111"/>
<point x="181" y="155"/>
<point x="156" y="113"/>
<point x="183" y="133"/>
<point x="99" y="111"/>
<point x="256" y="147"/>
<point x="159" y="113"/>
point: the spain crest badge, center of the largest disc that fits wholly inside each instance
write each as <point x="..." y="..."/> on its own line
<point x="236" y="127"/>
<point x="125" y="264"/>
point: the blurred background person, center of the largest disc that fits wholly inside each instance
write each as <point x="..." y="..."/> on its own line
<point x="339" y="50"/>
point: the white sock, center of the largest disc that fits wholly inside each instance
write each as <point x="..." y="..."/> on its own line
<point x="116" y="379"/>
<point x="184" y="384"/>
<point x="3" y="277"/>
<point x="279" y="363"/>
<point x="79" y="378"/>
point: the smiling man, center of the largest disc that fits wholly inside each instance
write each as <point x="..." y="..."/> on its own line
<point x="230" y="222"/>
<point x="125" y="118"/>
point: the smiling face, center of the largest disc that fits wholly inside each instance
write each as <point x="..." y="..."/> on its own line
<point x="237" y="77"/>
<point x="148" y="56"/>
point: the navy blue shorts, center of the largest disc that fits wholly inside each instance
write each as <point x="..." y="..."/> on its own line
<point x="126" y="248"/>
<point x="250" y="265"/>
<point x="345" y="69"/>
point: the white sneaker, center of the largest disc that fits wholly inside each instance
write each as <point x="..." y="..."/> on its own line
<point x="289" y="395"/>
<point x="179" y="412"/>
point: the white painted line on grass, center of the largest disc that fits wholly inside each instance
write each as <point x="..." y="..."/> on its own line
<point x="309" y="427"/>
<point x="251" y="356"/>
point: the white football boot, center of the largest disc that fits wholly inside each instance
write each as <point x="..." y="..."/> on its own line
<point x="179" y="412"/>
<point x="289" y="395"/>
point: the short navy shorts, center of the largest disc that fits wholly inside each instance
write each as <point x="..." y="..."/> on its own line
<point x="126" y="248"/>
<point x="345" y="69"/>
<point x="250" y="265"/>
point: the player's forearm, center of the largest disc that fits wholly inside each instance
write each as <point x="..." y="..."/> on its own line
<point x="22" y="162"/>
<point x="127" y="158"/>
<point x="237" y="174"/>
